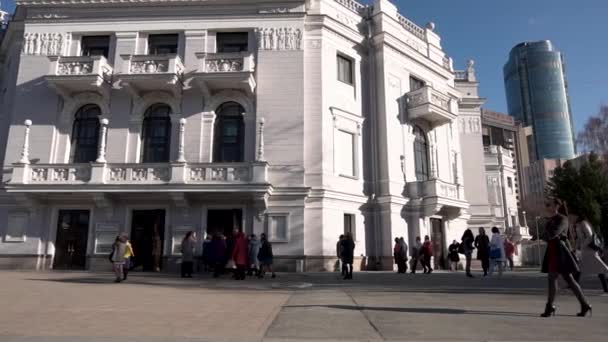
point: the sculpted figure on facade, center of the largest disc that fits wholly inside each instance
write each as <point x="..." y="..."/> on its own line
<point x="44" y="44"/>
<point x="279" y="38"/>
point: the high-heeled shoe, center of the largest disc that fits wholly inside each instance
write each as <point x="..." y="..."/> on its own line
<point x="550" y="310"/>
<point x="584" y="309"/>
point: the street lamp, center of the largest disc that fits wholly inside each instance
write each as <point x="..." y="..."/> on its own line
<point x="538" y="239"/>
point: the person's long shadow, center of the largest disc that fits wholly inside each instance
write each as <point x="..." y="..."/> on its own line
<point x="443" y="311"/>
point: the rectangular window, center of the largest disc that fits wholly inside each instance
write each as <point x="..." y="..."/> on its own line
<point x="95" y="46"/>
<point x="349" y="225"/>
<point x="277" y="228"/>
<point x="15" y="228"/>
<point x="510" y="184"/>
<point x="345" y="153"/>
<point x="513" y="221"/>
<point x="416" y="83"/>
<point x="345" y="70"/>
<point x="232" y="41"/>
<point x="162" y="44"/>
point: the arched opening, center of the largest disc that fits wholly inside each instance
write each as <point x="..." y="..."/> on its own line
<point x="156" y="134"/>
<point x="85" y="134"/>
<point x="421" y="154"/>
<point x="229" y="133"/>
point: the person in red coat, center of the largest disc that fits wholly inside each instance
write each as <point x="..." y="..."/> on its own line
<point x="509" y="251"/>
<point x="427" y="253"/>
<point x="240" y="254"/>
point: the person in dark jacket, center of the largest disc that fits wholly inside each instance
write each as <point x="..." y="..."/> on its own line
<point x="482" y="243"/>
<point x="188" y="250"/>
<point x="558" y="258"/>
<point x="217" y="254"/>
<point x="454" y="256"/>
<point x="427" y="254"/>
<point x="342" y="265"/>
<point x="347" y="251"/>
<point x="206" y="262"/>
<point x="398" y="255"/>
<point x="266" y="257"/>
<point x="466" y="246"/>
<point x="416" y="255"/>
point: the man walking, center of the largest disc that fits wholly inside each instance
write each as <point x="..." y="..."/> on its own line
<point x="416" y="254"/>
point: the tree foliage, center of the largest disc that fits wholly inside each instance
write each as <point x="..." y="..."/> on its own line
<point x="584" y="189"/>
<point x="594" y="137"/>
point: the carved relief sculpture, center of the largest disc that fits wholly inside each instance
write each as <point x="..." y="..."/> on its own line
<point x="279" y="39"/>
<point x="45" y="44"/>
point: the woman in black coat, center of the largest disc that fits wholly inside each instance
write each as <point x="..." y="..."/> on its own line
<point x="482" y="243"/>
<point x="558" y="258"/>
<point x="347" y="251"/>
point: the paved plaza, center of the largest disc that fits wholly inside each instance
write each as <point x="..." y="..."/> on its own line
<point x="83" y="306"/>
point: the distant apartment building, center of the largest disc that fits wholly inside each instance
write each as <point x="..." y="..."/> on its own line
<point x="537" y="95"/>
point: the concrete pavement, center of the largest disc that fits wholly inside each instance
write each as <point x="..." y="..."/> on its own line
<point x="88" y="307"/>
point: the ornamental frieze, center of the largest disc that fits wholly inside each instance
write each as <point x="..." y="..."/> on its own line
<point x="45" y="44"/>
<point x="282" y="38"/>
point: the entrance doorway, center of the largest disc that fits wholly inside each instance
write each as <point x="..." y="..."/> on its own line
<point x="224" y="221"/>
<point x="147" y="239"/>
<point x="438" y="239"/>
<point x="71" y="241"/>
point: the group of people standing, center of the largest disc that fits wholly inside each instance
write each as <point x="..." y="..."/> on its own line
<point x="422" y="252"/>
<point x="245" y="255"/>
<point x="493" y="252"/>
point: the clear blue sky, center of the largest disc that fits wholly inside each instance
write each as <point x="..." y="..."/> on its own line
<point x="485" y="30"/>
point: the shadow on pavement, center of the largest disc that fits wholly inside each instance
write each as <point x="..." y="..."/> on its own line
<point x="444" y="311"/>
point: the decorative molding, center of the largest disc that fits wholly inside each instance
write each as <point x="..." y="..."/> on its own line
<point x="45" y="44"/>
<point x="279" y="39"/>
<point x="278" y="10"/>
<point x="469" y="124"/>
<point x="314" y="43"/>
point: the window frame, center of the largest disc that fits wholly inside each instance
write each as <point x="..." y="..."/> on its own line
<point x="235" y="33"/>
<point x="92" y="37"/>
<point x="149" y="119"/>
<point x="422" y="169"/>
<point x="340" y="57"/>
<point x="76" y="138"/>
<point x="218" y="129"/>
<point x="158" y="36"/>
<point x="353" y="224"/>
<point x="416" y="83"/>
<point x="354" y="158"/>
<point x="271" y="234"/>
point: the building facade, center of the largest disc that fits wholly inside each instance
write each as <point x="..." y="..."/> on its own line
<point x="537" y="95"/>
<point x="299" y="119"/>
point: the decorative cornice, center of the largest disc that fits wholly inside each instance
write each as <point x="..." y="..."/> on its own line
<point x="100" y="2"/>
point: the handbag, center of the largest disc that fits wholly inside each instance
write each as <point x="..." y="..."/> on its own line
<point x="495" y="253"/>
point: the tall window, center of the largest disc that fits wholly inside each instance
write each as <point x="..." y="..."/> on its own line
<point x="156" y="134"/>
<point x="345" y="153"/>
<point x="232" y="41"/>
<point x="349" y="225"/>
<point x="85" y="134"/>
<point x="162" y="44"/>
<point x="416" y="83"/>
<point x="421" y="154"/>
<point x="95" y="46"/>
<point x="345" y="69"/>
<point x="229" y="133"/>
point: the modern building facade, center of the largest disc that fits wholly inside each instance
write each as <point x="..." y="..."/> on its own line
<point x="537" y="96"/>
<point x="301" y="119"/>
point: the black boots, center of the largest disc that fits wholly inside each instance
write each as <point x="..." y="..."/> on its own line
<point x="602" y="277"/>
<point x="550" y="310"/>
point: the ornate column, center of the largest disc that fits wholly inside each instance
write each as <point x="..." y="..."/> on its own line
<point x="181" y="157"/>
<point x="103" y="130"/>
<point x="432" y="157"/>
<point x="260" y="154"/>
<point x="25" y="151"/>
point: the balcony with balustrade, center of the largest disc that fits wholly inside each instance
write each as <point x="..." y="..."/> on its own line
<point x="71" y="75"/>
<point x="146" y="73"/>
<point x="436" y="196"/>
<point x="232" y="70"/>
<point x="429" y="105"/>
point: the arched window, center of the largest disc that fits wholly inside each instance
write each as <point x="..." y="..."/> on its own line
<point x="85" y="134"/>
<point x="229" y="133"/>
<point x="156" y="134"/>
<point x="421" y="154"/>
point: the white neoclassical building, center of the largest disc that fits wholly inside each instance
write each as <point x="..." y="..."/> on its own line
<point x="303" y="119"/>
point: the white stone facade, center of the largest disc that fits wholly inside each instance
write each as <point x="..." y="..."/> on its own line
<point x="347" y="121"/>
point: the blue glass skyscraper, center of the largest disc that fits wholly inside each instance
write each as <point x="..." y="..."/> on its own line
<point x="537" y="95"/>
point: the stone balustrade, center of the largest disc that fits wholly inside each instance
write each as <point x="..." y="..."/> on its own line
<point x="138" y="174"/>
<point x="153" y="64"/>
<point x="411" y="27"/>
<point x="427" y="95"/>
<point x="80" y="65"/>
<point x="226" y="62"/>
<point x="352" y="5"/>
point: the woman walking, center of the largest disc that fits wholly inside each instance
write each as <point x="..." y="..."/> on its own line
<point x="558" y="258"/>
<point x="454" y="255"/>
<point x="427" y="253"/>
<point x="467" y="249"/>
<point x="118" y="257"/>
<point x="482" y="243"/>
<point x="347" y="251"/>
<point x="254" y="249"/>
<point x="590" y="261"/>
<point x="240" y="254"/>
<point x="188" y="246"/>
<point x="399" y="256"/>
<point x="128" y="255"/>
<point x="265" y="256"/>
<point x="497" y="251"/>
<point x="217" y="253"/>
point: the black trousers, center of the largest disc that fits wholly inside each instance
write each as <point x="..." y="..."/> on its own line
<point x="426" y="263"/>
<point x="239" y="273"/>
<point x="187" y="268"/>
<point x="485" y="264"/>
<point x="401" y="266"/>
<point x="415" y="264"/>
<point x="218" y="269"/>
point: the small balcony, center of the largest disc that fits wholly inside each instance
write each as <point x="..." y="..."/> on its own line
<point x="430" y="105"/>
<point x="218" y="71"/>
<point x="129" y="177"/>
<point x="145" y="73"/>
<point x="438" y="197"/>
<point x="71" y="75"/>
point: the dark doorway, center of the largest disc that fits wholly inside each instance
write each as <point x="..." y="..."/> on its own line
<point x="224" y="221"/>
<point x="71" y="242"/>
<point x="147" y="239"/>
<point x="438" y="239"/>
